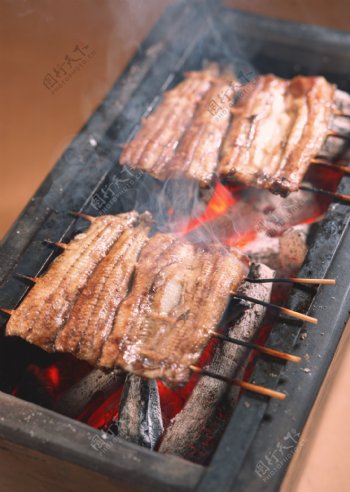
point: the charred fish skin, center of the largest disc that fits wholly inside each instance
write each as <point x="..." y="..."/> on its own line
<point x="46" y="307"/>
<point x="92" y="316"/>
<point x="155" y="144"/>
<point x="282" y="125"/>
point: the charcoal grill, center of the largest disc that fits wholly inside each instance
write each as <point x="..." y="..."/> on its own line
<point x="34" y="439"/>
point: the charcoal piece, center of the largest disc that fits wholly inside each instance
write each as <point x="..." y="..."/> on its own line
<point x="195" y="432"/>
<point x="140" y="416"/>
<point x="73" y="401"/>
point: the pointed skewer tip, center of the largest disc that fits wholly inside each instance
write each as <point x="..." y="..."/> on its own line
<point x="320" y="281"/>
<point x="58" y="244"/>
<point x="299" y="280"/>
<point x="81" y="215"/>
<point x="262" y="390"/>
<point x="10" y="312"/>
<point x="61" y="245"/>
<point x="236" y="110"/>
<point x="27" y="277"/>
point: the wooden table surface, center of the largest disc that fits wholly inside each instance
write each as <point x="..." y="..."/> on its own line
<point x="36" y="126"/>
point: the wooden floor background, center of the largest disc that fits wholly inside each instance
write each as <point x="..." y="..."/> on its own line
<point x="36" y="126"/>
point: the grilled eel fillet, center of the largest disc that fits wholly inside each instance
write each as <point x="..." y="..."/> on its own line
<point x="281" y="127"/>
<point x="117" y="298"/>
<point x="181" y="137"/>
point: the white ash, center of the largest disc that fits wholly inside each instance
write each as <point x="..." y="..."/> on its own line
<point x="285" y="254"/>
<point x="293" y="249"/>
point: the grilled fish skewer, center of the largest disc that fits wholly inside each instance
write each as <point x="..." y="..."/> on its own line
<point x="49" y="302"/>
<point x="277" y="129"/>
<point x="135" y="303"/>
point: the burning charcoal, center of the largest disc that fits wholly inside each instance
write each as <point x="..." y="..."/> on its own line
<point x="140" y="417"/>
<point x="277" y="214"/>
<point x="255" y="215"/>
<point x="35" y="387"/>
<point x="195" y="432"/>
<point x="77" y="397"/>
<point x="177" y="201"/>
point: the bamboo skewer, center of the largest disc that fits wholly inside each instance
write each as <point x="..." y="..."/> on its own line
<point x="320" y="281"/>
<point x="243" y="384"/>
<point x="341" y="114"/>
<point x="27" y="277"/>
<point x="61" y="245"/>
<point x="260" y="348"/>
<point x="337" y="167"/>
<point x="235" y="110"/>
<point x="339" y="196"/>
<point x="334" y="134"/>
<point x="292" y="280"/>
<point x="81" y="215"/>
<point x="7" y="311"/>
<point x="57" y="244"/>
<point x="253" y="346"/>
<point x="283" y="310"/>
